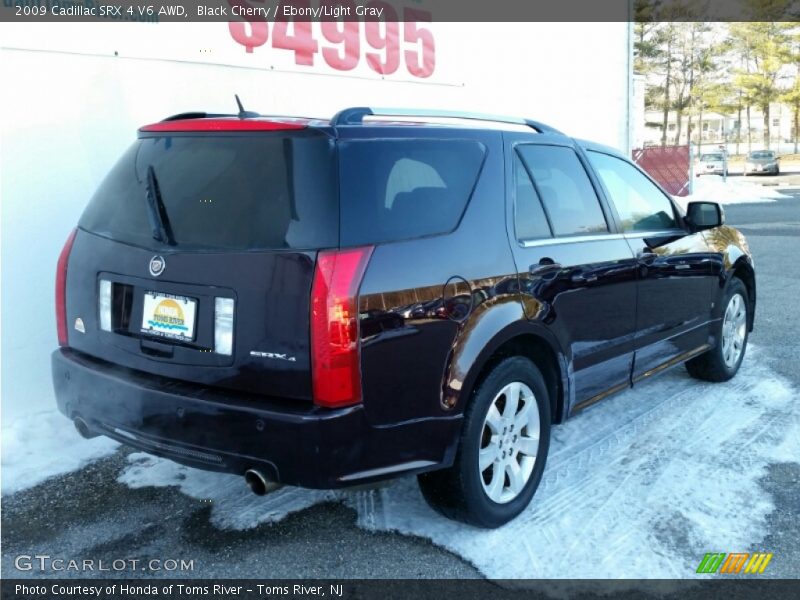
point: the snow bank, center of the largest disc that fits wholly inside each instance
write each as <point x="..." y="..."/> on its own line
<point x="712" y="188"/>
<point x="640" y="486"/>
<point x="235" y="506"/>
<point x="42" y="445"/>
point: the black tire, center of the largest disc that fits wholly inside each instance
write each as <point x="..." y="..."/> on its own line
<point x="711" y="365"/>
<point x="458" y="492"/>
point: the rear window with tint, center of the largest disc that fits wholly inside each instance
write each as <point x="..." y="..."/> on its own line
<point x="399" y="189"/>
<point x="224" y="192"/>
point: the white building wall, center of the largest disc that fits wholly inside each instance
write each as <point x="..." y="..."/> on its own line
<point x="70" y="106"/>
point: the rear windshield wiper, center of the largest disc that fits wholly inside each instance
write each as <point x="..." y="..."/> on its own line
<point x="156" y="211"/>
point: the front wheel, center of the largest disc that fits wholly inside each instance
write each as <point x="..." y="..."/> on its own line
<point x="723" y="361"/>
<point x="502" y="451"/>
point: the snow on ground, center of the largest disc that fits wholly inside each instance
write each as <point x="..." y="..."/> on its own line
<point x="235" y="507"/>
<point x="44" y="444"/>
<point x="733" y="191"/>
<point x="639" y="486"/>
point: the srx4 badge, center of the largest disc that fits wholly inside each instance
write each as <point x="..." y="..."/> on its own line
<point x="274" y="355"/>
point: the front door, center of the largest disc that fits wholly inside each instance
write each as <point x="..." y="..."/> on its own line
<point x="675" y="268"/>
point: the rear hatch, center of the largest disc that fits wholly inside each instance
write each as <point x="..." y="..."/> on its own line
<point x="195" y="258"/>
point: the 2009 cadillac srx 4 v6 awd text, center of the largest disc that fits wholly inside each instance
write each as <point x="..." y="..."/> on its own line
<point x="328" y="303"/>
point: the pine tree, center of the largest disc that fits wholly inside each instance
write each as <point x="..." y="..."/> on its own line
<point x="791" y="97"/>
<point x="766" y="48"/>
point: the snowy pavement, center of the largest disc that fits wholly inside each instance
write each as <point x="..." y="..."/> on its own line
<point x="712" y="188"/>
<point x="641" y="485"/>
<point x="43" y="444"/>
<point x="638" y="487"/>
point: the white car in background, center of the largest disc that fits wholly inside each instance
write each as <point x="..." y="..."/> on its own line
<point x="762" y="161"/>
<point x="713" y="163"/>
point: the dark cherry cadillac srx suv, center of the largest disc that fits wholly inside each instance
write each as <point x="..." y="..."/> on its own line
<point x="328" y="303"/>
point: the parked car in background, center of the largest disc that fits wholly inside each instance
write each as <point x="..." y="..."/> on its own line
<point x="330" y="303"/>
<point x="762" y="161"/>
<point x="712" y="163"/>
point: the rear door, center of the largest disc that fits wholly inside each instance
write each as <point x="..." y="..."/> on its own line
<point x="674" y="266"/>
<point x="577" y="275"/>
<point x="195" y="258"/>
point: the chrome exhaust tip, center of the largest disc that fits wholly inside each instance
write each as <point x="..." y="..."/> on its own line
<point x="83" y="429"/>
<point x="257" y="483"/>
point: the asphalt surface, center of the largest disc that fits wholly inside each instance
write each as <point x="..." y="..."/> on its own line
<point x="89" y="514"/>
<point x="773" y="233"/>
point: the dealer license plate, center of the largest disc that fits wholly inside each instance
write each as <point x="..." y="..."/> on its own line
<point x="169" y="316"/>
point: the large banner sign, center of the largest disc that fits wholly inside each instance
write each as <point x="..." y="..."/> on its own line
<point x="393" y="43"/>
<point x="387" y="41"/>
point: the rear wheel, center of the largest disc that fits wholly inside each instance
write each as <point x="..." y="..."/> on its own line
<point x="723" y="361"/>
<point x="502" y="451"/>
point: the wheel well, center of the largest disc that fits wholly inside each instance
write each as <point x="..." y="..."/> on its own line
<point x="542" y="355"/>
<point x="744" y="272"/>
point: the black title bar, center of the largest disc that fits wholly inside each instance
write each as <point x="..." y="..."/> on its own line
<point x="360" y="589"/>
<point x="397" y="10"/>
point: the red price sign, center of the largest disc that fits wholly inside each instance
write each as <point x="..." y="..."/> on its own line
<point x="382" y="41"/>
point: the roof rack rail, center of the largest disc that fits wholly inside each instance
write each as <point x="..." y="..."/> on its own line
<point x="356" y="114"/>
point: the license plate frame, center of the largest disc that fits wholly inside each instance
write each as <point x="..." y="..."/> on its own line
<point x="169" y="316"/>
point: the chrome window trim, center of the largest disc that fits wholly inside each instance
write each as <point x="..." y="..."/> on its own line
<point x="574" y="239"/>
<point x="650" y="234"/>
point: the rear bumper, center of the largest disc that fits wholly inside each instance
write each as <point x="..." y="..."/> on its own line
<point x="209" y="429"/>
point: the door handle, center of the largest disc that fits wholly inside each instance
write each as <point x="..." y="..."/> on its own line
<point x="585" y="278"/>
<point x="545" y="266"/>
<point x="646" y="256"/>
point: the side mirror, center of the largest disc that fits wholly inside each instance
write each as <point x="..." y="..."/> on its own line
<point x="704" y="215"/>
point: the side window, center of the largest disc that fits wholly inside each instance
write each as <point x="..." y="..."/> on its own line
<point x="565" y="189"/>
<point x="530" y="221"/>
<point x="641" y="205"/>
<point x="404" y="188"/>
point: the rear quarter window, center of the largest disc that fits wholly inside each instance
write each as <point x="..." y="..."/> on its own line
<point x="399" y="189"/>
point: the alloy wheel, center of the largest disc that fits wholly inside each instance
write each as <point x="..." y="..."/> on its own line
<point x="734" y="330"/>
<point x="509" y="442"/>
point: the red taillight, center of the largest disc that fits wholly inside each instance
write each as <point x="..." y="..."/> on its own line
<point x="61" y="289"/>
<point x="335" y="362"/>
